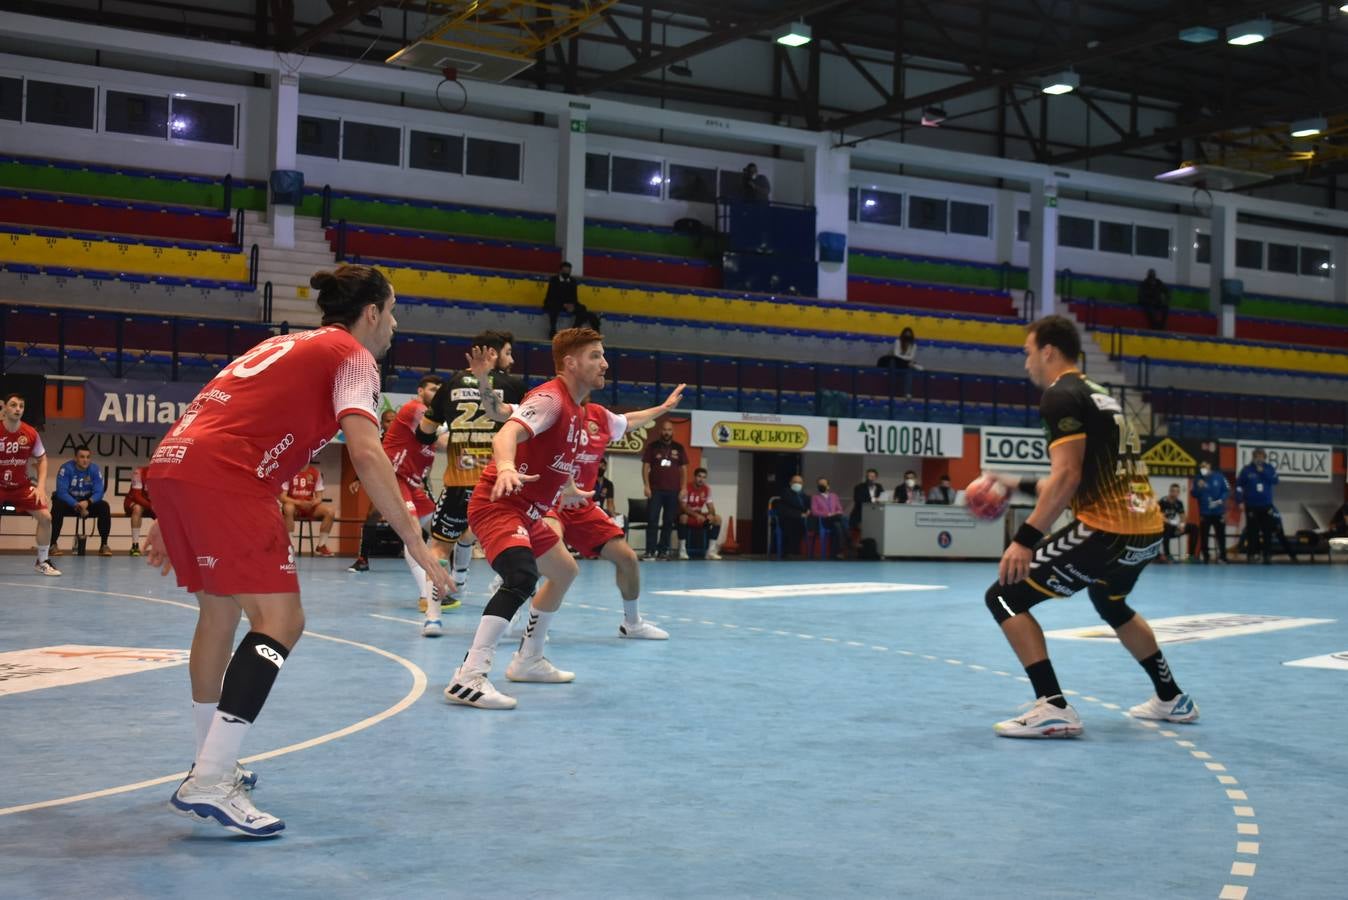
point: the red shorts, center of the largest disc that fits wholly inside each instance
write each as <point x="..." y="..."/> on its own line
<point x="311" y="515"/>
<point x="587" y="528"/>
<point x="146" y="509"/>
<point x="21" y="498"/>
<point x="417" y="501"/>
<point x="500" y="526"/>
<point x="236" y="547"/>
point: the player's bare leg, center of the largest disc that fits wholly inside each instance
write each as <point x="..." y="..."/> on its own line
<point x="326" y="517"/>
<point x="137" y="516"/>
<point x="627" y="572"/>
<point x="560" y="570"/>
<point x="43" y="540"/>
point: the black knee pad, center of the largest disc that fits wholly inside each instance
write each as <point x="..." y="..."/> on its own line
<point x="1115" y="611"/>
<point x="1007" y="600"/>
<point x="519" y="579"/>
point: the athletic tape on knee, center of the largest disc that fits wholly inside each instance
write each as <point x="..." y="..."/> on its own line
<point x="1115" y="612"/>
<point x="519" y="578"/>
<point x="251" y="673"/>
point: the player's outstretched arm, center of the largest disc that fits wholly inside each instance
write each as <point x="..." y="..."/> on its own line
<point x="481" y="360"/>
<point x="503" y="447"/>
<point x="642" y="416"/>
<point x="376" y="474"/>
<point x="573" y="496"/>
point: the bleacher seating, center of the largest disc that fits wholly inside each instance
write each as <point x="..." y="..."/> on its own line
<point x="126" y="217"/>
<point x="70" y="253"/>
<point x="911" y="295"/>
<point x="92" y="180"/>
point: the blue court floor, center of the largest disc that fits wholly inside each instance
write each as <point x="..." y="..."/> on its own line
<point x="826" y="735"/>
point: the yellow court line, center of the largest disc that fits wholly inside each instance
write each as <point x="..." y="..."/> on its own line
<point x="418" y="688"/>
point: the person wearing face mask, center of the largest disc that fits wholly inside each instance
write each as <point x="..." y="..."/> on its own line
<point x="910" y="491"/>
<point x="603" y="490"/>
<point x="1254" y="489"/>
<point x="1210" y="490"/>
<point x="792" y="508"/>
<point x="827" y="511"/>
<point x="869" y="491"/>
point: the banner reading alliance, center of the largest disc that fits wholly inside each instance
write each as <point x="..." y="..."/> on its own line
<point x="125" y="406"/>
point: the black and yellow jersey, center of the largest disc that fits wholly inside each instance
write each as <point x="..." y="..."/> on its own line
<point x="458" y="404"/>
<point x="1115" y="494"/>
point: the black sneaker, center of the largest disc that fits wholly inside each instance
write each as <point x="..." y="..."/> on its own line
<point x="360" y="565"/>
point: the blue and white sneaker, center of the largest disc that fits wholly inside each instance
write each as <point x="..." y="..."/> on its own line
<point x="432" y="628"/>
<point x="1044" y="720"/>
<point x="1181" y="710"/>
<point x="226" y="802"/>
<point x="245" y="778"/>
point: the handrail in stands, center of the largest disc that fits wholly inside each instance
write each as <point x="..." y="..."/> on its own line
<point x="238" y="228"/>
<point x="1027" y="304"/>
<point x="341" y="239"/>
<point x="266" y="302"/>
<point x="326" y="214"/>
<point x="252" y="268"/>
<point x="228" y="200"/>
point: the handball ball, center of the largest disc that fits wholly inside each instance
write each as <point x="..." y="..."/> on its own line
<point x="987" y="498"/>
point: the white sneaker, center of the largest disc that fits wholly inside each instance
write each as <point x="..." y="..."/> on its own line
<point x="226" y="802"/>
<point x="460" y="577"/>
<point x="642" y="630"/>
<point x="46" y="568"/>
<point x="683" y="552"/>
<point x="537" y="670"/>
<point x="1182" y="709"/>
<point x="712" y="554"/>
<point x="1044" y="720"/>
<point x="432" y="628"/>
<point x="473" y="689"/>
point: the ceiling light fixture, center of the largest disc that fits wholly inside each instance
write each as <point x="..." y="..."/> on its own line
<point x="797" y="34"/>
<point x="1198" y="34"/>
<point x="1309" y="127"/>
<point x="933" y="116"/>
<point x="1252" y="32"/>
<point x="1061" y="83"/>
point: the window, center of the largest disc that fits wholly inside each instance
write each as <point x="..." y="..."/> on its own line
<point x="493" y="159"/>
<point x="637" y="176"/>
<point x="731" y="184"/>
<point x="970" y="218"/>
<point x="1116" y="237"/>
<point x="926" y="214"/>
<point x="1317" y="262"/>
<point x="1153" y="242"/>
<point x="1022" y="224"/>
<point x="1076" y="232"/>
<point x="880" y="207"/>
<point x="596" y="172"/>
<point x="692" y="183"/>
<point x="1202" y="248"/>
<point x="435" y="152"/>
<point x="11" y="99"/>
<point x="1249" y="254"/>
<point x="380" y="144"/>
<point x="199" y="120"/>
<point x="317" y="137"/>
<point x="70" y="105"/>
<point x="1282" y="258"/>
<point x="143" y="114"/>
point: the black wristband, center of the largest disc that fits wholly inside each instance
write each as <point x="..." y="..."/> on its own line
<point x="1028" y="485"/>
<point x="1027" y="536"/>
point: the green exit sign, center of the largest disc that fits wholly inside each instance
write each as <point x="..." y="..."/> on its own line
<point x="580" y="125"/>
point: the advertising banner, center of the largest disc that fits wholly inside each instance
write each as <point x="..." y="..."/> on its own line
<point x="900" y="438"/>
<point x="126" y="406"/>
<point x="1013" y="449"/>
<point x="751" y="431"/>
<point x="1176" y="457"/>
<point x="1294" y="462"/>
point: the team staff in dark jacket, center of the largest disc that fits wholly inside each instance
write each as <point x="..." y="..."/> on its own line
<point x="1210" y="491"/>
<point x="79" y="492"/>
<point x="1254" y="490"/>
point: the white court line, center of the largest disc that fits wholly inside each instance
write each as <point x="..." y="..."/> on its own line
<point x="418" y="688"/>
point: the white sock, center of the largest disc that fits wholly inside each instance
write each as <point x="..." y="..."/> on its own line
<point x="536" y="632"/>
<point x="42" y="551"/>
<point x="135" y="535"/>
<point x="423" y="583"/>
<point x="202" y="716"/>
<point x="480" y="656"/>
<point x="630" y="614"/>
<point x="220" y="751"/>
<point x="463" y="555"/>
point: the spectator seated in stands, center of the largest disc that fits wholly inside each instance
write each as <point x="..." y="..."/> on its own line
<point x="943" y="493"/>
<point x="79" y="492"/>
<point x="561" y="300"/>
<point x="827" y="511"/>
<point x="910" y="491"/>
<point x="1154" y="298"/>
<point x="136" y="505"/>
<point x="903" y="357"/>
<point x="303" y="499"/>
<point x="1172" y="511"/>
<point x="792" y="508"/>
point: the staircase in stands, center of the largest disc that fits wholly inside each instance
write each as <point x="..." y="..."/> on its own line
<point x="289" y="268"/>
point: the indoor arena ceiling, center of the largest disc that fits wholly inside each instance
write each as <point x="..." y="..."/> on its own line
<point x="1127" y="54"/>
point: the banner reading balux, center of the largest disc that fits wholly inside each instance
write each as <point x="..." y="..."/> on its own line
<point x="1294" y="462"/>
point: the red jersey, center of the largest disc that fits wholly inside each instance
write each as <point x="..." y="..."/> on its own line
<point x="261" y="420"/>
<point x="601" y="429"/>
<point x="306" y="483"/>
<point x="138" y="477"/>
<point x="696" y="498"/>
<point x="16" y="448"/>
<point x="411" y="458"/>
<point x="556" y="435"/>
